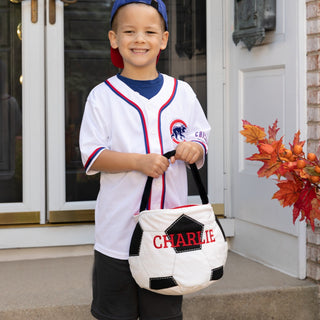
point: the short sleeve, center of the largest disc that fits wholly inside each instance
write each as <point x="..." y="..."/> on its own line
<point x="199" y="127"/>
<point x="94" y="130"/>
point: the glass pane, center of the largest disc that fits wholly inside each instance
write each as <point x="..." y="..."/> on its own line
<point x="10" y="103"/>
<point x="186" y="56"/>
<point x="87" y="63"/>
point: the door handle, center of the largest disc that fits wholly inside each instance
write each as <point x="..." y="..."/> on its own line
<point x="52" y="9"/>
<point x="34" y="9"/>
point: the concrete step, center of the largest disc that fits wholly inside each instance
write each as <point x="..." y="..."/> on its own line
<point x="60" y="289"/>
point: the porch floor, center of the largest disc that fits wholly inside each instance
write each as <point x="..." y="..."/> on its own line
<point x="60" y="288"/>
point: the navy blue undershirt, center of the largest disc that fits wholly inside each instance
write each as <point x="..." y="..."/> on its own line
<point x="147" y="88"/>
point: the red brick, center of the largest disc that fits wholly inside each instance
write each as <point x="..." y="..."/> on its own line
<point x="313" y="79"/>
<point x="313" y="237"/>
<point x="313" y="10"/>
<point x="314" y="99"/>
<point x="313" y="62"/>
<point x="313" y="26"/>
<point x="313" y="270"/>
<point x="313" y="44"/>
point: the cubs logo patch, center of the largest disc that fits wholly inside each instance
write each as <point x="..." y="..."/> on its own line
<point x="177" y="131"/>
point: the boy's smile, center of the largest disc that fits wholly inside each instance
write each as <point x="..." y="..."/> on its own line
<point x="139" y="35"/>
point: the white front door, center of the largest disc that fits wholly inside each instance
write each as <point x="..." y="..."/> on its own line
<point x="77" y="60"/>
<point x="24" y="130"/>
<point x="22" y="110"/>
<point x="265" y="84"/>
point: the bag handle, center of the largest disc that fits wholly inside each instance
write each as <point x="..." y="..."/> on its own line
<point x="196" y="177"/>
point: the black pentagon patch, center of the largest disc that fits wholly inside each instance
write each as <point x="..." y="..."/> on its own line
<point x="162" y="283"/>
<point x="136" y="241"/>
<point x="216" y="273"/>
<point x="185" y="234"/>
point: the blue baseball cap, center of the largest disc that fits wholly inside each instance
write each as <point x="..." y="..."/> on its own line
<point x="157" y="4"/>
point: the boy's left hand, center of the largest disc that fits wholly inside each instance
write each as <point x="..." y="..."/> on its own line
<point x="188" y="151"/>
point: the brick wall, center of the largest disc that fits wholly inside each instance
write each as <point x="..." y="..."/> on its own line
<point x="313" y="94"/>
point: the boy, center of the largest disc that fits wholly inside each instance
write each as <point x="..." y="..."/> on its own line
<point x="129" y="122"/>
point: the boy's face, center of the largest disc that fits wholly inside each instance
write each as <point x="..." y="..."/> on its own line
<point x="138" y="32"/>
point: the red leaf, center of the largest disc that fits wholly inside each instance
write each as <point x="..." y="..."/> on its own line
<point x="245" y="122"/>
<point x="303" y="205"/>
<point x="288" y="192"/>
<point x="292" y="165"/>
<point x="273" y="131"/>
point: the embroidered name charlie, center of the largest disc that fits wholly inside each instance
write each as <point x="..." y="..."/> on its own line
<point x="188" y="239"/>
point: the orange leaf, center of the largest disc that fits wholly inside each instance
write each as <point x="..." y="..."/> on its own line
<point x="278" y="146"/>
<point x="288" y="192"/>
<point x="252" y="133"/>
<point x="270" y="167"/>
<point x="259" y="157"/>
<point x="296" y="190"/>
<point x="266" y="148"/>
<point x="302" y="173"/>
<point x="273" y="164"/>
<point x="296" y="140"/>
<point x="275" y="147"/>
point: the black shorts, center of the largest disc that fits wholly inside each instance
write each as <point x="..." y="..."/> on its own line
<point x="117" y="296"/>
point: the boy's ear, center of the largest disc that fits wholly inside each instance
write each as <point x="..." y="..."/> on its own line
<point x="113" y="39"/>
<point x="165" y="37"/>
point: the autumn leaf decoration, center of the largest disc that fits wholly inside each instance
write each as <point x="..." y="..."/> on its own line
<point x="297" y="176"/>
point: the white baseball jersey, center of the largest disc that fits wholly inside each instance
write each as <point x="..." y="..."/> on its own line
<point x="120" y="119"/>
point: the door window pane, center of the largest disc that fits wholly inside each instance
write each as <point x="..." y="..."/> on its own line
<point x="186" y="55"/>
<point x="10" y="103"/>
<point x="87" y="63"/>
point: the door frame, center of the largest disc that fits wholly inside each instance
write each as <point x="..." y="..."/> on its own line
<point x="216" y="81"/>
<point x="228" y="13"/>
<point x="58" y="209"/>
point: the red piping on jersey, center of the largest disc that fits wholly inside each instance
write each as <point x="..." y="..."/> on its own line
<point x="162" y="108"/>
<point x="92" y="156"/>
<point x="143" y="121"/>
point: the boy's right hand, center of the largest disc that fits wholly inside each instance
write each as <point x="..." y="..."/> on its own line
<point x="153" y="165"/>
